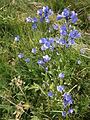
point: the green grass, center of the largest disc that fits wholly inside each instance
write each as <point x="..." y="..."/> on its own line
<point x="33" y="94"/>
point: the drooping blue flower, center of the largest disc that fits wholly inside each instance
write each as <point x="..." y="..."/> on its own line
<point x="51" y="40"/>
<point x="55" y="27"/>
<point x="63" y="30"/>
<point x="34" y="20"/>
<point x="33" y="50"/>
<point x="45" y="9"/>
<point x="28" y="19"/>
<point x="20" y="55"/>
<point x="71" y="41"/>
<point x="50" y="94"/>
<point x="59" y="17"/>
<point x="50" y="12"/>
<point x="64" y="113"/>
<point x="44" y="47"/>
<point x="70" y="111"/>
<point x="40" y="62"/>
<point x="67" y="99"/>
<point x="61" y="75"/>
<point x="27" y="60"/>
<point x="43" y="40"/>
<point x="62" y="41"/>
<point x="17" y="38"/>
<point x="40" y="12"/>
<point x="66" y="12"/>
<point x="46" y="58"/>
<point x="34" y="26"/>
<point x="74" y="34"/>
<point x="48" y="44"/>
<point x="47" y="19"/>
<point x="74" y="17"/>
<point x="60" y="88"/>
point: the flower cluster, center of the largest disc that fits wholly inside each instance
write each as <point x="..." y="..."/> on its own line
<point x="67" y="101"/>
<point x="33" y="21"/>
<point x="45" y="59"/>
<point x="68" y="33"/>
<point x="46" y="43"/>
<point x="67" y="14"/>
<point x="44" y="14"/>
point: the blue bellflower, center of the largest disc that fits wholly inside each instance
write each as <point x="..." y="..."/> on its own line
<point x="59" y="17"/>
<point x="67" y="99"/>
<point x="28" y="19"/>
<point x="62" y="41"/>
<point x="61" y="75"/>
<point x="34" y="20"/>
<point x="74" y="17"/>
<point x="40" y="12"/>
<point x="43" y="40"/>
<point x="64" y="113"/>
<point x="71" y="41"/>
<point x="74" y="34"/>
<point x="27" y="60"/>
<point x="20" y="55"/>
<point x="65" y="12"/>
<point x="46" y="58"/>
<point x="70" y="111"/>
<point x="34" y="26"/>
<point x="55" y="27"/>
<point x="33" y="50"/>
<point x="63" y="30"/>
<point x="50" y="94"/>
<point x="40" y="62"/>
<point x="60" y="88"/>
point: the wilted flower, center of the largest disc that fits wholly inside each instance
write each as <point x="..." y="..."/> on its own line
<point x="79" y="62"/>
<point x="82" y="50"/>
<point x="17" y="38"/>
